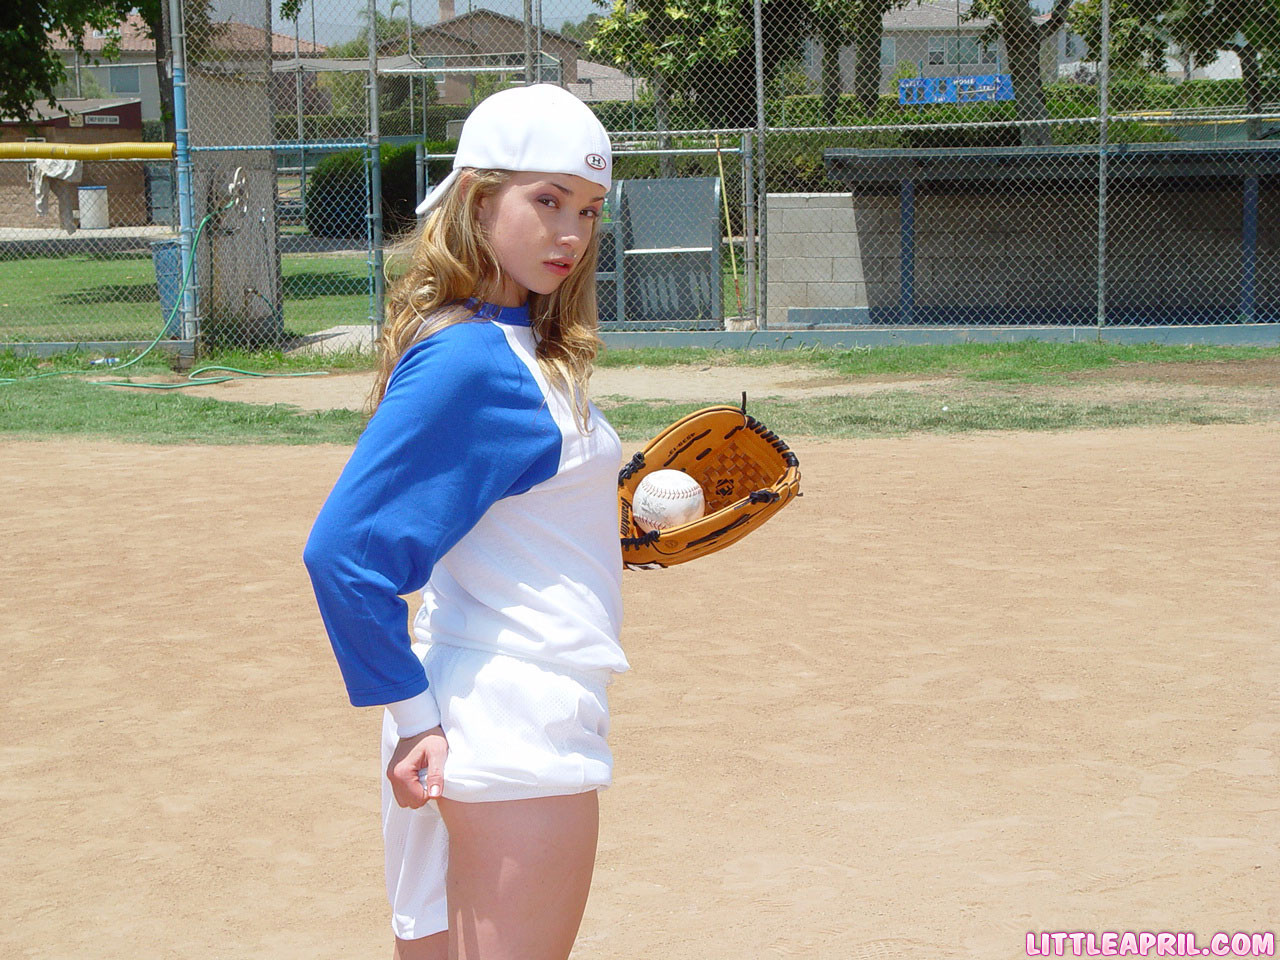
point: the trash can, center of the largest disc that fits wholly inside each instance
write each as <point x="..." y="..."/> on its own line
<point x="93" y="208"/>
<point x="167" y="256"/>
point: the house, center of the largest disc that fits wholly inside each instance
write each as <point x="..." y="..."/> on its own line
<point x="496" y="42"/>
<point x="601" y="83"/>
<point x="133" y="73"/>
<point x="932" y="38"/>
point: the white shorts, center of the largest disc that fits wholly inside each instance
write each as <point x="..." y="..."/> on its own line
<point x="516" y="729"/>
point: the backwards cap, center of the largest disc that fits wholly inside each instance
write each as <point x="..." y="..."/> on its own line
<point x="541" y="128"/>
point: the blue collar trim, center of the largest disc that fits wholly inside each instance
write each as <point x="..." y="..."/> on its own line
<point x="514" y="316"/>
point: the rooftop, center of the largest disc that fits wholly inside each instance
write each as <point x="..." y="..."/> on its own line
<point x="135" y="38"/>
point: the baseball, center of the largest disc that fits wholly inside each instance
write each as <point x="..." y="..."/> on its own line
<point x="667" y="498"/>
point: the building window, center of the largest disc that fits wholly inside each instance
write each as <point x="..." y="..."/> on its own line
<point x="990" y="54"/>
<point x="888" y="52"/>
<point x="937" y="48"/>
<point x="123" y="79"/>
<point x="963" y="50"/>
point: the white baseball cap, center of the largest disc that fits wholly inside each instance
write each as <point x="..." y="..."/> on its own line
<point x="542" y="128"/>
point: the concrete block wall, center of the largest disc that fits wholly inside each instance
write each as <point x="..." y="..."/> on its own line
<point x="813" y="259"/>
<point x="1174" y="250"/>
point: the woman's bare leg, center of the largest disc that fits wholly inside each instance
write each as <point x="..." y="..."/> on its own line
<point x="434" y="947"/>
<point x="519" y="875"/>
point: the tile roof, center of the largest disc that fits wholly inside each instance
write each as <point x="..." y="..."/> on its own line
<point x="231" y="36"/>
<point x="599" y="82"/>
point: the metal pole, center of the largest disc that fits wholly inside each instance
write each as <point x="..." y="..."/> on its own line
<point x="749" y="225"/>
<point x="1104" y="74"/>
<point x="419" y="173"/>
<point x="177" y="50"/>
<point x="762" y="300"/>
<point x="1249" y="252"/>
<point x="375" y="173"/>
<point x="302" y="134"/>
<point x="412" y="77"/>
<point x="528" y="42"/>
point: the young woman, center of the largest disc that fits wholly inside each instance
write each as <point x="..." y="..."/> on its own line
<point x="486" y="479"/>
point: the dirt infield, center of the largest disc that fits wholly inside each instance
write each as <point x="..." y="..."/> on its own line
<point x="966" y="688"/>
<point x="1252" y="386"/>
<point x="676" y="384"/>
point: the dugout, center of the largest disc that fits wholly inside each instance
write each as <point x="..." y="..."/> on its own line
<point x="1010" y="235"/>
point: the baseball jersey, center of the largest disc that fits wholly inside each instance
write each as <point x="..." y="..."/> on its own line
<point x="473" y="483"/>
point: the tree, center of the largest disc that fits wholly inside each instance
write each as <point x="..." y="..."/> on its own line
<point x="833" y="26"/>
<point x="32" y="69"/>
<point x="700" y="53"/>
<point x="152" y="15"/>
<point x="839" y="23"/>
<point x="582" y="32"/>
<point x="1015" y="22"/>
<point x="1143" y="30"/>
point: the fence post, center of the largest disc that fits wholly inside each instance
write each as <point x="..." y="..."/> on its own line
<point x="762" y="301"/>
<point x="419" y="173"/>
<point x="177" y="49"/>
<point x="749" y="227"/>
<point x="1104" y="73"/>
<point x="907" y="251"/>
<point x="1249" y="252"/>
<point x="375" y="175"/>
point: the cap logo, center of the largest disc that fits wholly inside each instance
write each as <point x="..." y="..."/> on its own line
<point x="595" y="161"/>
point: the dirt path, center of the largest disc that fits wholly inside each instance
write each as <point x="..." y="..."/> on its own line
<point x="1254" y="384"/>
<point x="966" y="688"/>
<point x="678" y="384"/>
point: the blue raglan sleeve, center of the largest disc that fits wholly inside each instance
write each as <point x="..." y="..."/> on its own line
<point x="461" y="425"/>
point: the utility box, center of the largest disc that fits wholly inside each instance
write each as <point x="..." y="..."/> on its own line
<point x="660" y="255"/>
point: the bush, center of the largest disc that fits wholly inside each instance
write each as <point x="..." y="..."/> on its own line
<point x="337" y="202"/>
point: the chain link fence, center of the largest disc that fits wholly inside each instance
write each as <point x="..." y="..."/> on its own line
<point x="782" y="164"/>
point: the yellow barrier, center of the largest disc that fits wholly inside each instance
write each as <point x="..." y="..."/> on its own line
<point x="86" y="151"/>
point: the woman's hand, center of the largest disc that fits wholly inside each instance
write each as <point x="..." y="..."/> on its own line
<point x="416" y="770"/>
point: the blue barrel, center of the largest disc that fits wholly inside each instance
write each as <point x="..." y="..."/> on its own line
<point x="167" y="256"/>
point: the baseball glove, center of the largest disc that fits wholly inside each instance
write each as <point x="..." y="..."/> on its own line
<point x="746" y="473"/>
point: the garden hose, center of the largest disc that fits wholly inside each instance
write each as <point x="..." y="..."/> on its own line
<point x="236" y="188"/>
<point x="195" y="381"/>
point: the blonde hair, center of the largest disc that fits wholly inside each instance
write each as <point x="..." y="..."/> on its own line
<point x="448" y="260"/>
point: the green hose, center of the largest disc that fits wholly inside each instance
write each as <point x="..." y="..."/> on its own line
<point x="192" y="380"/>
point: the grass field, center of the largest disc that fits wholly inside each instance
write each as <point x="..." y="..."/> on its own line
<point x="943" y="390"/>
<point x="84" y="298"/>
<point x="92" y="298"/>
<point x="1018" y="361"/>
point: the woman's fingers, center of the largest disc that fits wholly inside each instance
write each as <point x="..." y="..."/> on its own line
<point x="416" y="770"/>
<point x="432" y="778"/>
<point x="404" y="781"/>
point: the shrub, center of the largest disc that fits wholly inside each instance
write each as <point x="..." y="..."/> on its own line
<point x="337" y="194"/>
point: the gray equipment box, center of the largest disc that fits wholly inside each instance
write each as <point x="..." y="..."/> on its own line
<point x="660" y="255"/>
